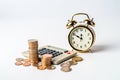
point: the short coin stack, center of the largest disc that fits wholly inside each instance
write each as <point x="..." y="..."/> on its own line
<point x="33" y="51"/>
<point x="65" y="67"/>
<point x="46" y="62"/>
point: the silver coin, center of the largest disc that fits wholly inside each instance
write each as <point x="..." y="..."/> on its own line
<point x="51" y="67"/>
<point x="66" y="69"/>
<point x="67" y="64"/>
<point x="19" y="59"/>
<point x="25" y="54"/>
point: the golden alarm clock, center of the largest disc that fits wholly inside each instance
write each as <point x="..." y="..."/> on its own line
<point x="82" y="36"/>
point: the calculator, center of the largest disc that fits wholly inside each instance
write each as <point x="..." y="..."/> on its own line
<point x="59" y="55"/>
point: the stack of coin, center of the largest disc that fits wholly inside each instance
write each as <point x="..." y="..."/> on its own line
<point x="33" y="51"/>
<point x="66" y="66"/>
<point x="46" y="62"/>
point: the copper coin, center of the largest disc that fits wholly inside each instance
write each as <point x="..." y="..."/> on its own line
<point x="26" y="64"/>
<point x="34" y="64"/>
<point x="18" y="63"/>
<point x="26" y="60"/>
<point x="41" y="67"/>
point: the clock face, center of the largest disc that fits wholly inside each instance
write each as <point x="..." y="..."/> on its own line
<point x="81" y="38"/>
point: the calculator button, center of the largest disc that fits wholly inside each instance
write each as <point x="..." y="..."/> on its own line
<point x="61" y="52"/>
<point x="43" y="49"/>
<point x="65" y="51"/>
<point x="68" y="52"/>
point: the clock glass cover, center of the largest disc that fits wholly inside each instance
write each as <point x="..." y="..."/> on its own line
<point x="81" y="38"/>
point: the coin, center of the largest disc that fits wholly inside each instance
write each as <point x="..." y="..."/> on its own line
<point x="33" y="51"/>
<point x="77" y="58"/>
<point x="18" y="63"/>
<point x="26" y="64"/>
<point x="33" y="43"/>
<point x="19" y="59"/>
<point x="26" y="60"/>
<point x="74" y="62"/>
<point x="67" y="64"/>
<point x="41" y="67"/>
<point x="66" y="69"/>
<point x="34" y="64"/>
<point x="51" y="67"/>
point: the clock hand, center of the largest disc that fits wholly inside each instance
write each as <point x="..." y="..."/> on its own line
<point x="76" y="35"/>
<point x="81" y="37"/>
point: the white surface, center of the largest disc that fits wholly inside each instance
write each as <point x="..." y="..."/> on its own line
<point x="45" y="20"/>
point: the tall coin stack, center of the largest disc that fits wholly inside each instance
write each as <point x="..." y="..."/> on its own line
<point x="33" y="51"/>
<point x="46" y="60"/>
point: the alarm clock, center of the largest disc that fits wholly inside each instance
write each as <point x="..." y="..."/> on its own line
<point x="82" y="36"/>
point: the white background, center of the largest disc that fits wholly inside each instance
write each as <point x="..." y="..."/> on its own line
<point x="45" y="20"/>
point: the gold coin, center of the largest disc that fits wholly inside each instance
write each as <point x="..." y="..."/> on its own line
<point x="77" y="58"/>
<point x="74" y="63"/>
<point x="18" y="63"/>
<point x="41" y="67"/>
<point x="34" y="64"/>
<point x="33" y="43"/>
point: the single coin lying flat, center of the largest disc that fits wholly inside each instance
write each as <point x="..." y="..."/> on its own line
<point x="18" y="63"/>
<point x="19" y="59"/>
